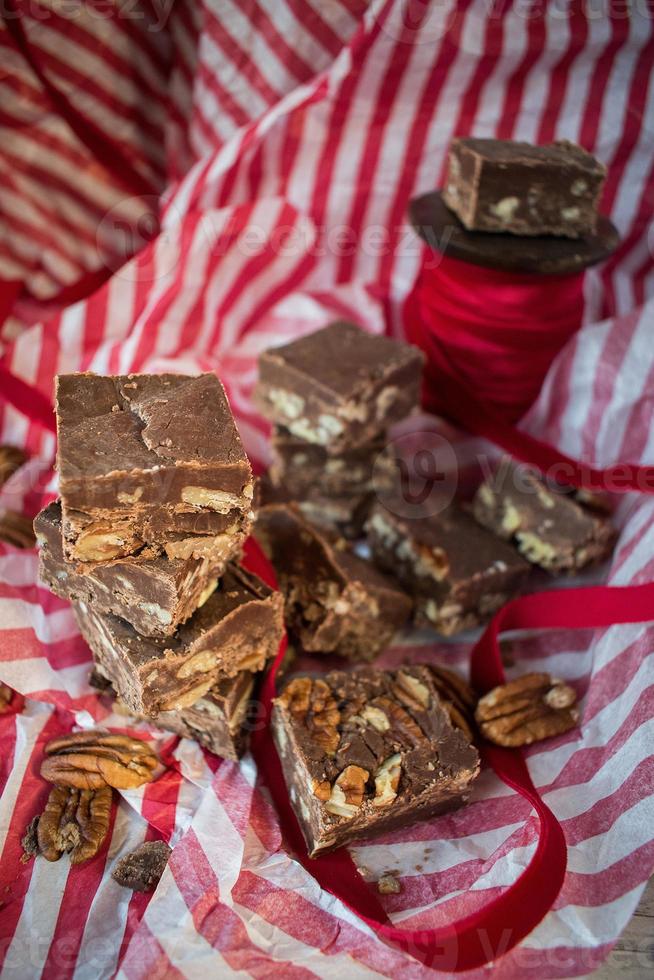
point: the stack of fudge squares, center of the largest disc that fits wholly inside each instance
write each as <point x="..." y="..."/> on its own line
<point x="332" y="397"/>
<point x="145" y="541"/>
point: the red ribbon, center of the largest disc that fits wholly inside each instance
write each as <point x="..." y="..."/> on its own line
<point x="498" y="926"/>
<point x="498" y="331"/>
<point x="482" y="347"/>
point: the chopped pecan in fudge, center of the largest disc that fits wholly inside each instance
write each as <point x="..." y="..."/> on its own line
<point x="367" y="752"/>
<point x="549" y="526"/>
<point x="335" y="602"/>
<point x="306" y="471"/>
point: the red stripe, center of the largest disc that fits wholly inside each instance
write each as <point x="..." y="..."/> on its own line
<point x="30" y="800"/>
<point x="234" y="52"/>
<point x="159" y="809"/>
<point x="89" y="134"/>
<point x="146" y="957"/>
<point x="82" y="885"/>
<point x="559" y="73"/>
<point x="414" y="153"/>
<point x="219" y="925"/>
<point x="513" y="95"/>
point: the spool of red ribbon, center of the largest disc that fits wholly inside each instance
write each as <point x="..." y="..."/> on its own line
<point x="496" y="331"/>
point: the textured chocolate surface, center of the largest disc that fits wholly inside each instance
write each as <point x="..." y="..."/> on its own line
<point x="155" y="596"/>
<point x="335" y="602"/>
<point x="549" y="527"/>
<point x="221" y="720"/>
<point x="340" y="387"/>
<point x="136" y="452"/>
<point x="306" y="471"/>
<point x="544" y="255"/>
<point x="508" y="186"/>
<point x="368" y="751"/>
<point x="458" y="574"/>
<point x="238" y="628"/>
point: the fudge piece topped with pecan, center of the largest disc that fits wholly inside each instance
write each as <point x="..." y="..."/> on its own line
<point x="549" y="526"/>
<point x="136" y="452"/>
<point x="340" y="387"/>
<point x="368" y="751"/>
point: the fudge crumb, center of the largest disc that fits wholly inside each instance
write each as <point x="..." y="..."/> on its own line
<point x="30" y="843"/>
<point x="142" y="868"/>
<point x="388" y="885"/>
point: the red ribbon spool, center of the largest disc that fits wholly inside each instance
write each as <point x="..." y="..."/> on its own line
<point x="496" y="332"/>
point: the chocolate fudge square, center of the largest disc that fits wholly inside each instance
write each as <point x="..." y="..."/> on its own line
<point x="306" y="471"/>
<point x="145" y="460"/>
<point x="238" y="628"/>
<point x="549" y="526"/>
<point x="335" y="602"/>
<point x="368" y="752"/>
<point x="458" y="573"/>
<point x="340" y="387"/>
<point x="153" y="595"/>
<point x="220" y="721"/>
<point x="507" y="186"/>
<point x="344" y="516"/>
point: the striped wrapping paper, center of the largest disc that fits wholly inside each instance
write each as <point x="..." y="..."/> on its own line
<point x="292" y="136"/>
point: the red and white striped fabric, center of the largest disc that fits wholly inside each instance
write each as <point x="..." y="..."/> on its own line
<point x="292" y="136"/>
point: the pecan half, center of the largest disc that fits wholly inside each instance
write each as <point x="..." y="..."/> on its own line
<point x="312" y="701"/>
<point x="91" y="759"/>
<point x="411" y="691"/>
<point x="527" y="710"/>
<point x="399" y="718"/>
<point x="74" y="820"/>
<point x="6" y="694"/>
<point x="11" y="459"/>
<point x="457" y="697"/>
<point x="16" y="530"/>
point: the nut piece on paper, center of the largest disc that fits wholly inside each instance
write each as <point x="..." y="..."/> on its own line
<point x="11" y="459"/>
<point x="74" y="820"/>
<point x="17" y="530"/>
<point x="92" y="759"/>
<point x="6" y="695"/>
<point x="142" y="868"/>
<point x="30" y="840"/>
<point x="389" y="885"/>
<point x="528" y="709"/>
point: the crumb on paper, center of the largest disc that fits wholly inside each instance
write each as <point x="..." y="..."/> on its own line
<point x="389" y="885"/>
